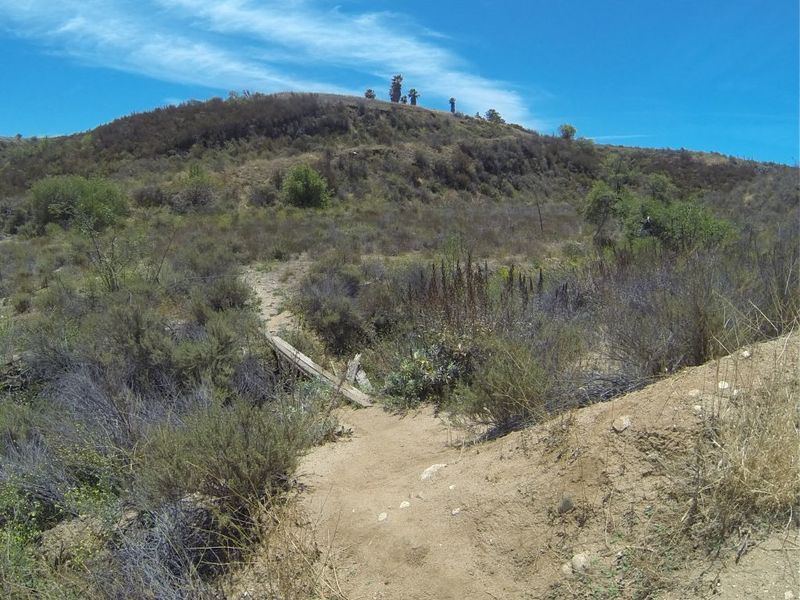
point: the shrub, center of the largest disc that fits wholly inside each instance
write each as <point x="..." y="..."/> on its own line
<point x="567" y="131"/>
<point x="429" y="374"/>
<point x="170" y="554"/>
<point x="683" y="225"/>
<point x="150" y="196"/>
<point x="227" y="293"/>
<point x="509" y="388"/>
<point x="328" y="301"/>
<point x="236" y="454"/>
<point x="91" y="204"/>
<point x="741" y="477"/>
<point x="21" y="302"/>
<point x="305" y="188"/>
<point x="263" y="195"/>
<point x="196" y="191"/>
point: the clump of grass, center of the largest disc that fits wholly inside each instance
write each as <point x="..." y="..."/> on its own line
<point x="21" y="302"/>
<point x="746" y="470"/>
<point x="510" y="389"/>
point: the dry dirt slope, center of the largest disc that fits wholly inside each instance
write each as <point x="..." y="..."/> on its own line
<point x="501" y="519"/>
<point x="487" y="525"/>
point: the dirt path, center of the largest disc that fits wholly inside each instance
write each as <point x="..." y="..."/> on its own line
<point x="409" y="513"/>
<point x="273" y="286"/>
<point x="489" y="524"/>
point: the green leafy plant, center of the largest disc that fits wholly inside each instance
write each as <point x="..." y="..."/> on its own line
<point x="305" y="188"/>
<point x="91" y="204"/>
<point x="430" y="373"/>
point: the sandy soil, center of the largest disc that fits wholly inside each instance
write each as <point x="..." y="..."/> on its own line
<point x="491" y="523"/>
<point x="272" y="286"/>
<point x="503" y="519"/>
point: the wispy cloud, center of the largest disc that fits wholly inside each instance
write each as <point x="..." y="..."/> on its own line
<point x="267" y="46"/>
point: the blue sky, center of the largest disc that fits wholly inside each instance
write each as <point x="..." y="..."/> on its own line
<point x="717" y="75"/>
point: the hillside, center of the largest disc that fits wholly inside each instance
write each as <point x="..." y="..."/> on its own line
<point x="377" y="150"/>
<point x="504" y="297"/>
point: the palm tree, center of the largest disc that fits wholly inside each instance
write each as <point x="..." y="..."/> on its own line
<point x="369" y="94"/>
<point x="413" y="94"/>
<point x="396" y="91"/>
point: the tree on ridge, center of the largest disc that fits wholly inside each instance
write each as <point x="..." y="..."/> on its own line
<point x="396" y="90"/>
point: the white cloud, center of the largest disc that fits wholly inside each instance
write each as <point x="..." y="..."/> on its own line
<point x="266" y="46"/>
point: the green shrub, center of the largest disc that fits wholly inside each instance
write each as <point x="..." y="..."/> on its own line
<point x="211" y="359"/>
<point x="91" y="204"/>
<point x="509" y="388"/>
<point x="683" y="225"/>
<point x="227" y="293"/>
<point x="429" y="374"/>
<point x="305" y="188"/>
<point x="236" y="454"/>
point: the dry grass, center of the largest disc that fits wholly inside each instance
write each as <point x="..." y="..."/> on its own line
<point x="739" y="483"/>
<point x="747" y="468"/>
<point x="730" y="486"/>
<point x="289" y="561"/>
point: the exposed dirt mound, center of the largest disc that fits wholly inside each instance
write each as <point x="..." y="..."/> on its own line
<point x="410" y="513"/>
<point x="403" y="508"/>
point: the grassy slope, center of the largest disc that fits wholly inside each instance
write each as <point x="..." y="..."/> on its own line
<point x="373" y="149"/>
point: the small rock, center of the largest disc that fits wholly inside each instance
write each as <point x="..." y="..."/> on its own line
<point x="695" y="393"/>
<point x="566" y="569"/>
<point x="620" y="424"/>
<point x="723" y="385"/>
<point x="452" y="487"/>
<point x="697" y="408"/>
<point x="128" y="518"/>
<point x="788" y="595"/>
<point x="405" y="504"/>
<point x="580" y="563"/>
<point x="565" y="506"/>
<point x="745" y="354"/>
<point x="455" y="511"/>
<point x="382" y="517"/>
<point x="428" y="473"/>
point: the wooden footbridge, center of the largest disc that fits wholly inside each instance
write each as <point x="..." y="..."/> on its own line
<point x="304" y="364"/>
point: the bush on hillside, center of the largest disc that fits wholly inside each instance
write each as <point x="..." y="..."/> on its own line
<point x="305" y="188"/>
<point x="72" y="200"/>
<point x="509" y="389"/>
<point x="328" y="301"/>
<point x="430" y="373"/>
<point x="236" y="454"/>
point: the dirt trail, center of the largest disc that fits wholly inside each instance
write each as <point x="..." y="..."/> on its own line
<point x="488" y="525"/>
<point x="272" y="288"/>
<point x="503" y="519"/>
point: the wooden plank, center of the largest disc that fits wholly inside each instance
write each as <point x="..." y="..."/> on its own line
<point x="312" y="369"/>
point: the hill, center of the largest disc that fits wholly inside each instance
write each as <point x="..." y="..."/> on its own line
<point x="513" y="291"/>
<point x="372" y="149"/>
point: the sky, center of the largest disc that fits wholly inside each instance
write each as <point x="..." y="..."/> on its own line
<point x="712" y="75"/>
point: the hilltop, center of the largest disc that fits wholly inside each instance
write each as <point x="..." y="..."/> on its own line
<point x="378" y="150"/>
